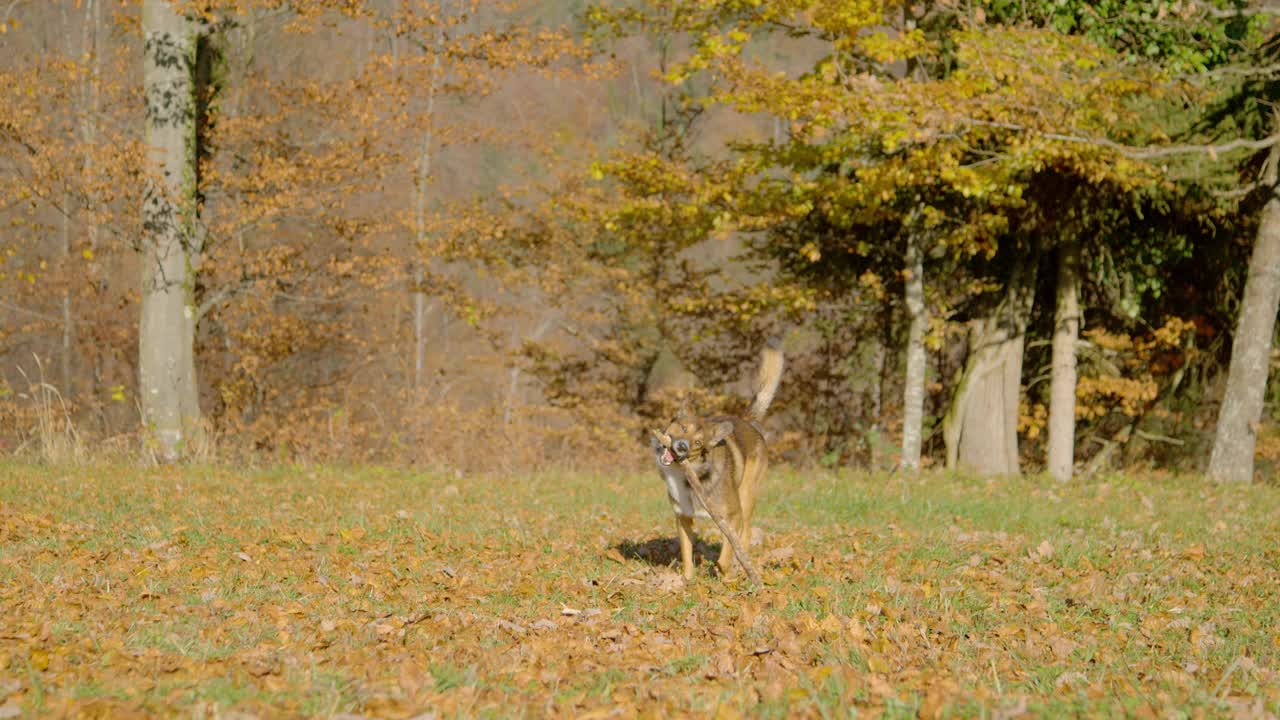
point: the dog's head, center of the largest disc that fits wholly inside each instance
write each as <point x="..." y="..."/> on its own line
<point x="688" y="439"/>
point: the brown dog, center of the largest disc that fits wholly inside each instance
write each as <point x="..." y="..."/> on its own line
<point x="730" y="458"/>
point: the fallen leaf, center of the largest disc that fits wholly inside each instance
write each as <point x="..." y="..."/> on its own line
<point x="1071" y="677"/>
<point x="935" y="701"/>
<point x="1044" y="550"/>
<point x="1012" y="710"/>
<point x="1062" y="647"/>
<point x="778" y="556"/>
<point x="877" y="664"/>
<point x="513" y="628"/>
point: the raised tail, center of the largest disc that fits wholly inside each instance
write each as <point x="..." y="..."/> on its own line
<point x="770" y="374"/>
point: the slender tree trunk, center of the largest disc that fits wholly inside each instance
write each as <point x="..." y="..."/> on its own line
<point x="245" y="39"/>
<point x="875" y="401"/>
<point x="981" y="426"/>
<point x="422" y="176"/>
<point x="89" y="131"/>
<point x="67" y="351"/>
<point x="1233" y="444"/>
<point x="68" y="326"/>
<point x="513" y="376"/>
<point x="913" y="389"/>
<point x="166" y="337"/>
<point x="1062" y="386"/>
<point x="421" y="179"/>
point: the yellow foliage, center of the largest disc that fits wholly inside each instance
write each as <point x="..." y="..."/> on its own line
<point x="1127" y="372"/>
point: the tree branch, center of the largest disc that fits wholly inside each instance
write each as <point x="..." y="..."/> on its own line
<point x="19" y="309"/>
<point x="1218" y="12"/>
<point x="730" y="536"/>
<point x="1142" y="153"/>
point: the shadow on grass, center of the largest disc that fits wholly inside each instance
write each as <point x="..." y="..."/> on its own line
<point x="665" y="551"/>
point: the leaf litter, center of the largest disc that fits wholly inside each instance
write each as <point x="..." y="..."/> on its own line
<point x="360" y="594"/>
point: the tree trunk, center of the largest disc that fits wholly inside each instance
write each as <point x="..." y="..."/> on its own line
<point x="981" y="426"/>
<point x="513" y="376"/>
<point x="89" y="130"/>
<point x="68" y="326"/>
<point x="166" y="336"/>
<point x="67" y="351"/>
<point x="422" y="177"/>
<point x="1062" y="386"/>
<point x="1233" y="445"/>
<point x="875" y="400"/>
<point x="913" y="390"/>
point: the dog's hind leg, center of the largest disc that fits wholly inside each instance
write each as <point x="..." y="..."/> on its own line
<point x="748" y="493"/>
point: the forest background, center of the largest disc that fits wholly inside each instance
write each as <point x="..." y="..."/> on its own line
<point x="488" y="236"/>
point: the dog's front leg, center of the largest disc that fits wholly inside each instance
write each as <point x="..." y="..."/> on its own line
<point x="684" y="531"/>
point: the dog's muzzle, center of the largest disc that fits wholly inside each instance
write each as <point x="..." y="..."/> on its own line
<point x="671" y="451"/>
<point x="679" y="450"/>
<point x="667" y="457"/>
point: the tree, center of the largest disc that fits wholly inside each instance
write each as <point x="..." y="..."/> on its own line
<point x="913" y="386"/>
<point x="1062" y="389"/>
<point x="881" y="160"/>
<point x="1248" y="108"/>
<point x="1185" y="42"/>
<point x="1237" y="430"/>
<point x="168" y="389"/>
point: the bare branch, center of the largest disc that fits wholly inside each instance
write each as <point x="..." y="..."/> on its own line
<point x="1142" y="153"/>
<point x="1235" y="192"/>
<point x="1269" y="70"/>
<point x="1217" y="12"/>
<point x="25" y="311"/>
<point x="730" y="536"/>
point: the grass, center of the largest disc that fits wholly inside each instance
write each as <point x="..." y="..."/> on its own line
<point x="323" y="591"/>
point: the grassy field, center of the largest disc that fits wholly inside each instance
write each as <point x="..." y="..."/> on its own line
<point x="325" y="591"/>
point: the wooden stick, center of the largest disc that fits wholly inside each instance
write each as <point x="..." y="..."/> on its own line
<point x="730" y="536"/>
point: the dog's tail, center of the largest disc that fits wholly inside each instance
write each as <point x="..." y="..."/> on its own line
<point x="767" y="380"/>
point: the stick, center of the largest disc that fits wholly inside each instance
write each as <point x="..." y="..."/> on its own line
<point x="730" y="536"/>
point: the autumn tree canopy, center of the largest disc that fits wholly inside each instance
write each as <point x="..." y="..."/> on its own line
<point x="413" y="220"/>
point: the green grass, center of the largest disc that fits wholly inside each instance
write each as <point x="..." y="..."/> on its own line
<point x="318" y="591"/>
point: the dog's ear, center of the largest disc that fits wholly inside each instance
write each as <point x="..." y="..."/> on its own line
<point x="720" y="433"/>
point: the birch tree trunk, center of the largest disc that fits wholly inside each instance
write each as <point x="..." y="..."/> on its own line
<point x="1062" y="385"/>
<point x="1233" y="444"/>
<point x="981" y="426"/>
<point x="166" y="336"/>
<point x="913" y="390"/>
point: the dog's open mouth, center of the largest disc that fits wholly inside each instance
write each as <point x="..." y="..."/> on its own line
<point x="667" y="456"/>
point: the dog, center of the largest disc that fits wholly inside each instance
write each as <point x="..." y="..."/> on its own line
<point x="729" y="456"/>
